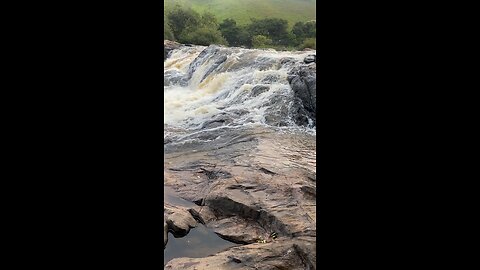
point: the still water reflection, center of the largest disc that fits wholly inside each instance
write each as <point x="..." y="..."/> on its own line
<point x="200" y="242"/>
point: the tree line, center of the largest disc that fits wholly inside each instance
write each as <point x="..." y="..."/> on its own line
<point x="189" y="27"/>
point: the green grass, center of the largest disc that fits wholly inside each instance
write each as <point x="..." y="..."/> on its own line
<point x="242" y="10"/>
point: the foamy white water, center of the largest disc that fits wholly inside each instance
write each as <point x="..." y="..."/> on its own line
<point x="232" y="85"/>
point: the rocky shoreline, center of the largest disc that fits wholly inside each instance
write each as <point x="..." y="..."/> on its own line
<point x="269" y="208"/>
<point x="252" y="186"/>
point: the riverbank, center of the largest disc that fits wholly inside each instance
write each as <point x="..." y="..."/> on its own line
<point x="240" y="152"/>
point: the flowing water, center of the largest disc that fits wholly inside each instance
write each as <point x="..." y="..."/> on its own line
<point x="231" y="106"/>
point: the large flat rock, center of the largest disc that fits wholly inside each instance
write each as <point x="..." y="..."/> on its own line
<point x="247" y="200"/>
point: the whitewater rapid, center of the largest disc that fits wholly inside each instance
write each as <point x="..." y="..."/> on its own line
<point x="215" y="95"/>
<point x="245" y="86"/>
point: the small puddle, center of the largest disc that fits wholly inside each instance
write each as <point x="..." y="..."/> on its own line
<point x="198" y="243"/>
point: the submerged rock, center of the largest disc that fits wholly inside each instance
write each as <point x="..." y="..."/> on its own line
<point x="258" y="89"/>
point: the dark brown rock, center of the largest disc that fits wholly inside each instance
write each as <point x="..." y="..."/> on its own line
<point x="168" y="46"/>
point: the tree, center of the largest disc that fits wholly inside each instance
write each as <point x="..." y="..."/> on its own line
<point x="303" y="30"/>
<point x="311" y="29"/>
<point x="273" y="28"/>
<point x="183" y="20"/>
<point x="244" y="37"/>
<point x="230" y="30"/>
<point x="167" y="31"/>
<point x="187" y="26"/>
<point x="298" y="30"/>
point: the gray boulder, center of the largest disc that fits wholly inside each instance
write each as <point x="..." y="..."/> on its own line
<point x="310" y="59"/>
<point x="303" y="80"/>
<point x="174" y="77"/>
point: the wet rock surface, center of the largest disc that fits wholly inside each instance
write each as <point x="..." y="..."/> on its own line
<point x="174" y="77"/>
<point x="266" y="207"/>
<point x="178" y="220"/>
<point x="169" y="46"/>
<point x="282" y="254"/>
<point x="310" y="59"/>
<point x="303" y="80"/>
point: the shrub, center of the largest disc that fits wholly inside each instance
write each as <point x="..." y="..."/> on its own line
<point x="204" y="36"/>
<point x="309" y="43"/>
<point x="260" y="41"/>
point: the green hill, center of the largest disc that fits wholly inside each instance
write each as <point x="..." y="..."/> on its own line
<point x="242" y="10"/>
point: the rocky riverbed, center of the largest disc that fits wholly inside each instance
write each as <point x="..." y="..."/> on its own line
<point x="240" y="158"/>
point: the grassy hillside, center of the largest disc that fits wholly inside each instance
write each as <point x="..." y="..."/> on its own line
<point x="242" y="10"/>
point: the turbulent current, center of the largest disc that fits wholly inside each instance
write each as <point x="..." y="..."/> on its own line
<point x="231" y="113"/>
<point x="213" y="90"/>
